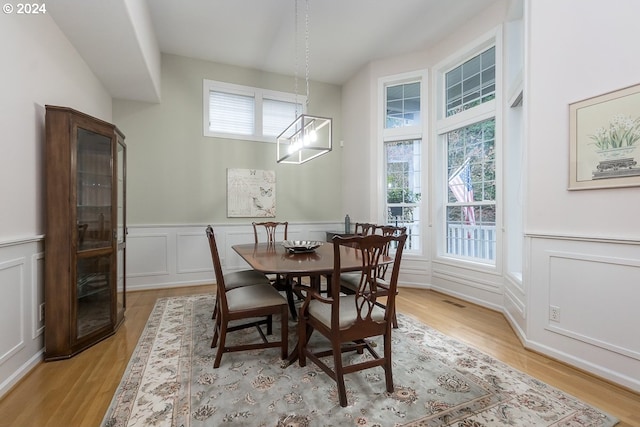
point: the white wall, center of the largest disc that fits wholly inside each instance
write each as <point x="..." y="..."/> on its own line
<point x="514" y="298"/>
<point x="584" y="246"/>
<point x="39" y="67"/>
<point x="358" y="100"/>
<point x="577" y="49"/>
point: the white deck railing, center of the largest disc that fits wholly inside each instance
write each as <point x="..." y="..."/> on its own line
<point x="471" y="241"/>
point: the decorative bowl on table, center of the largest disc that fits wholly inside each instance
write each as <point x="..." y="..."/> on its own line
<point x="301" y="246"/>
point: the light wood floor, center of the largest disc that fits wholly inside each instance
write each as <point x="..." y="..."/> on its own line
<point x="77" y="392"/>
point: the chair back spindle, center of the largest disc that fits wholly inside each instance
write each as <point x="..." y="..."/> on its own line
<point x="374" y="251"/>
<point x="387" y="230"/>
<point x="270" y="228"/>
<point x="364" y="229"/>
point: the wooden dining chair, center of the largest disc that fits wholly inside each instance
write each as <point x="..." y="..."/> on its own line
<point x="349" y="281"/>
<point x="237" y="279"/>
<point x="280" y="282"/>
<point x="364" y="228"/>
<point x="272" y="229"/>
<point x="252" y="305"/>
<point x="347" y="321"/>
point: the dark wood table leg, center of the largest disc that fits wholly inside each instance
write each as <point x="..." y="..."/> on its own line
<point x="314" y="282"/>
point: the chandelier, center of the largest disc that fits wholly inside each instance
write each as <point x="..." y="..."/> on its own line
<point x="308" y="136"/>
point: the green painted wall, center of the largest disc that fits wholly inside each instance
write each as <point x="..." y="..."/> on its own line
<point x="178" y="176"/>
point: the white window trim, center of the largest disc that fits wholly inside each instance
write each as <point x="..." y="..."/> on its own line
<point x="443" y="125"/>
<point x="258" y="94"/>
<point x="395" y="134"/>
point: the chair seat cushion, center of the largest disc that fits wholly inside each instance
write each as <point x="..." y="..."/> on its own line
<point x="348" y="312"/>
<point x="352" y="281"/>
<point x="255" y="296"/>
<point x="243" y="278"/>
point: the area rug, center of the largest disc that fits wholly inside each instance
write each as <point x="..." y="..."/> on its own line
<point x="170" y="381"/>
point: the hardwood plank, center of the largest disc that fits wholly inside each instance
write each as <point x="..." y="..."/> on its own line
<point x="77" y="391"/>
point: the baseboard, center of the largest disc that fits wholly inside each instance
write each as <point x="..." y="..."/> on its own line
<point x="8" y="384"/>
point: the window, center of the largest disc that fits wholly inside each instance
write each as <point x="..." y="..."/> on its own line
<point x="471" y="83"/>
<point x="402" y="155"/>
<point x="278" y="115"/>
<point x="243" y="112"/>
<point x="403" y="105"/>
<point x="466" y="133"/>
<point x="404" y="189"/>
<point x="231" y="113"/>
<point x="471" y="215"/>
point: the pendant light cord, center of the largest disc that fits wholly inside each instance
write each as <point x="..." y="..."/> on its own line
<point x="306" y="52"/>
<point x="295" y="54"/>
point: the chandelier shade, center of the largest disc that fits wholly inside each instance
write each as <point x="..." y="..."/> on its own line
<point x="306" y="138"/>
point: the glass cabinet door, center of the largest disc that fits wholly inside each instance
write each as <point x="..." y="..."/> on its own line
<point x="93" y="294"/>
<point x="94" y="240"/>
<point x="93" y="197"/>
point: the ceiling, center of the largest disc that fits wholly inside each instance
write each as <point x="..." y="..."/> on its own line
<point x="344" y="35"/>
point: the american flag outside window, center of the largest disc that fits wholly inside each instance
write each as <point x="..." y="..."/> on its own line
<point x="460" y="185"/>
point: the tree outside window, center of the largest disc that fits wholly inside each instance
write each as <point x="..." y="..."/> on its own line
<point x="404" y="187"/>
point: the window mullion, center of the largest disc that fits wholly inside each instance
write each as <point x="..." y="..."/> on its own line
<point x="467" y="117"/>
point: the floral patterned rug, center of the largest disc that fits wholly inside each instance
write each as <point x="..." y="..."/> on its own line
<point x="170" y="381"/>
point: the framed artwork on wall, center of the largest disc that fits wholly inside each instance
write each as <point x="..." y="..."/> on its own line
<point x="251" y="193"/>
<point x="604" y="133"/>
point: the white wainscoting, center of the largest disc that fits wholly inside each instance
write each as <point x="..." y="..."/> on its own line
<point x="22" y="291"/>
<point x="178" y="255"/>
<point x="479" y="285"/>
<point x="594" y="282"/>
<point x="515" y="305"/>
<point x="595" y="287"/>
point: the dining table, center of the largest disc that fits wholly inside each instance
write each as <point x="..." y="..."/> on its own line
<point x="275" y="258"/>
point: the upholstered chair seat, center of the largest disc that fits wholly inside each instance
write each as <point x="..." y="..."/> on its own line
<point x="244" y="278"/>
<point x="250" y="297"/>
<point x="348" y="312"/>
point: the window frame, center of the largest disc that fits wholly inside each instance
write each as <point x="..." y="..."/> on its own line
<point x="443" y="125"/>
<point x="404" y="133"/>
<point x="259" y="94"/>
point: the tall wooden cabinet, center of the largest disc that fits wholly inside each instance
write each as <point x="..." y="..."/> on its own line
<point x="85" y="239"/>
